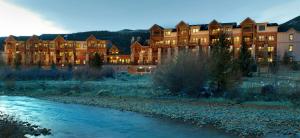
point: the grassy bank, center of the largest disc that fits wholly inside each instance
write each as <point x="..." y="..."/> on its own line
<point x="136" y="94"/>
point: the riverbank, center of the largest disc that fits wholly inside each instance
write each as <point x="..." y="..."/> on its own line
<point x="137" y="94"/>
<point x="244" y="120"/>
<point x="12" y="128"/>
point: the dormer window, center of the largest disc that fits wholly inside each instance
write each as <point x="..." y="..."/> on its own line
<point x="261" y="27"/>
<point x="167" y="33"/>
<point x="195" y="30"/>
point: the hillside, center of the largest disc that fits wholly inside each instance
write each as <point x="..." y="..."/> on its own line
<point x="294" y="23"/>
<point x="120" y="38"/>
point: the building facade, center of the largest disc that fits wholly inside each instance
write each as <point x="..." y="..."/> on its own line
<point x="262" y="39"/>
<point x="60" y="51"/>
<point x="289" y="42"/>
<point x="165" y="43"/>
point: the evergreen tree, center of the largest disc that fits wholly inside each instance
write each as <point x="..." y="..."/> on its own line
<point x="17" y="61"/>
<point x="96" y="61"/>
<point x="286" y="58"/>
<point x="245" y="61"/>
<point x="222" y="66"/>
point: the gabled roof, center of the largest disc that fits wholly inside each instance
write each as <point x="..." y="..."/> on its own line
<point x="182" y="23"/>
<point x="156" y="26"/>
<point x="214" y="22"/>
<point x="135" y="44"/>
<point x="91" y="37"/>
<point x="10" y="38"/>
<point x="33" y="38"/>
<point x="59" y="37"/>
<point x="248" y="19"/>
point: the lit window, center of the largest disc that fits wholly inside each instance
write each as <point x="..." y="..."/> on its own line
<point x="168" y="42"/>
<point x="168" y="33"/>
<point x="236" y="39"/>
<point x="270" y="49"/>
<point x="291" y="37"/>
<point x="173" y="42"/>
<point x="195" y="30"/>
<point x="195" y="40"/>
<point x="291" y="48"/>
<point x="271" y="38"/>
<point x="261" y="38"/>
<point x="247" y="39"/>
<point x="270" y="59"/>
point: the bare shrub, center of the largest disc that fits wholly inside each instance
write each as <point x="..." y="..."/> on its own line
<point x="90" y="73"/>
<point x="187" y="74"/>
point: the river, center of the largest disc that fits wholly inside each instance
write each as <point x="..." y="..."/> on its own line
<point x="72" y="120"/>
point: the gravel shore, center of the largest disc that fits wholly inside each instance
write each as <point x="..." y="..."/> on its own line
<point x="243" y="120"/>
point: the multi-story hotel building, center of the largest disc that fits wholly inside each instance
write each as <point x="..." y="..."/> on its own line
<point x="60" y="51"/>
<point x="289" y="42"/>
<point x="261" y="38"/>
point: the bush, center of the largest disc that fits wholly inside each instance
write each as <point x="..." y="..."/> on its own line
<point x="295" y="66"/>
<point x="294" y="98"/>
<point x="187" y="74"/>
<point x="90" y="73"/>
<point x="268" y="93"/>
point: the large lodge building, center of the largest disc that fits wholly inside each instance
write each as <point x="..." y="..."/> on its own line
<point x="261" y="39"/>
<point x="164" y="43"/>
<point x="61" y="51"/>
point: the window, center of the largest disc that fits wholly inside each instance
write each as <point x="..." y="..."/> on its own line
<point x="183" y="32"/>
<point x="214" y="40"/>
<point x="173" y="42"/>
<point x="167" y="33"/>
<point x="291" y="37"/>
<point x="290" y="48"/>
<point x="270" y="59"/>
<point x="203" y="40"/>
<point x="271" y="38"/>
<point x="270" y="49"/>
<point x="261" y="38"/>
<point x="195" y="40"/>
<point x="195" y="30"/>
<point x="227" y="29"/>
<point x="262" y="28"/>
<point x="247" y="39"/>
<point x="236" y="39"/>
<point x="168" y="42"/>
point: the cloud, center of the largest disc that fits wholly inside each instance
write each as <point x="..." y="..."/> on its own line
<point x="281" y="13"/>
<point x="16" y="20"/>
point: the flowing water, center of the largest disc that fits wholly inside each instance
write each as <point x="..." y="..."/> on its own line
<point x="72" y="120"/>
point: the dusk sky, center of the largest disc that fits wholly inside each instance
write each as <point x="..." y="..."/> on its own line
<point x="28" y="17"/>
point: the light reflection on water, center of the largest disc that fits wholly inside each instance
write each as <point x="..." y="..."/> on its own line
<point x="70" y="120"/>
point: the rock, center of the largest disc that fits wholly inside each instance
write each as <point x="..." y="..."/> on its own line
<point x="45" y="131"/>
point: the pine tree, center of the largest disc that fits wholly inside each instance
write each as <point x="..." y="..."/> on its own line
<point x="286" y="58"/>
<point x="222" y="66"/>
<point x="17" y="61"/>
<point x="96" y="61"/>
<point x="245" y="61"/>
